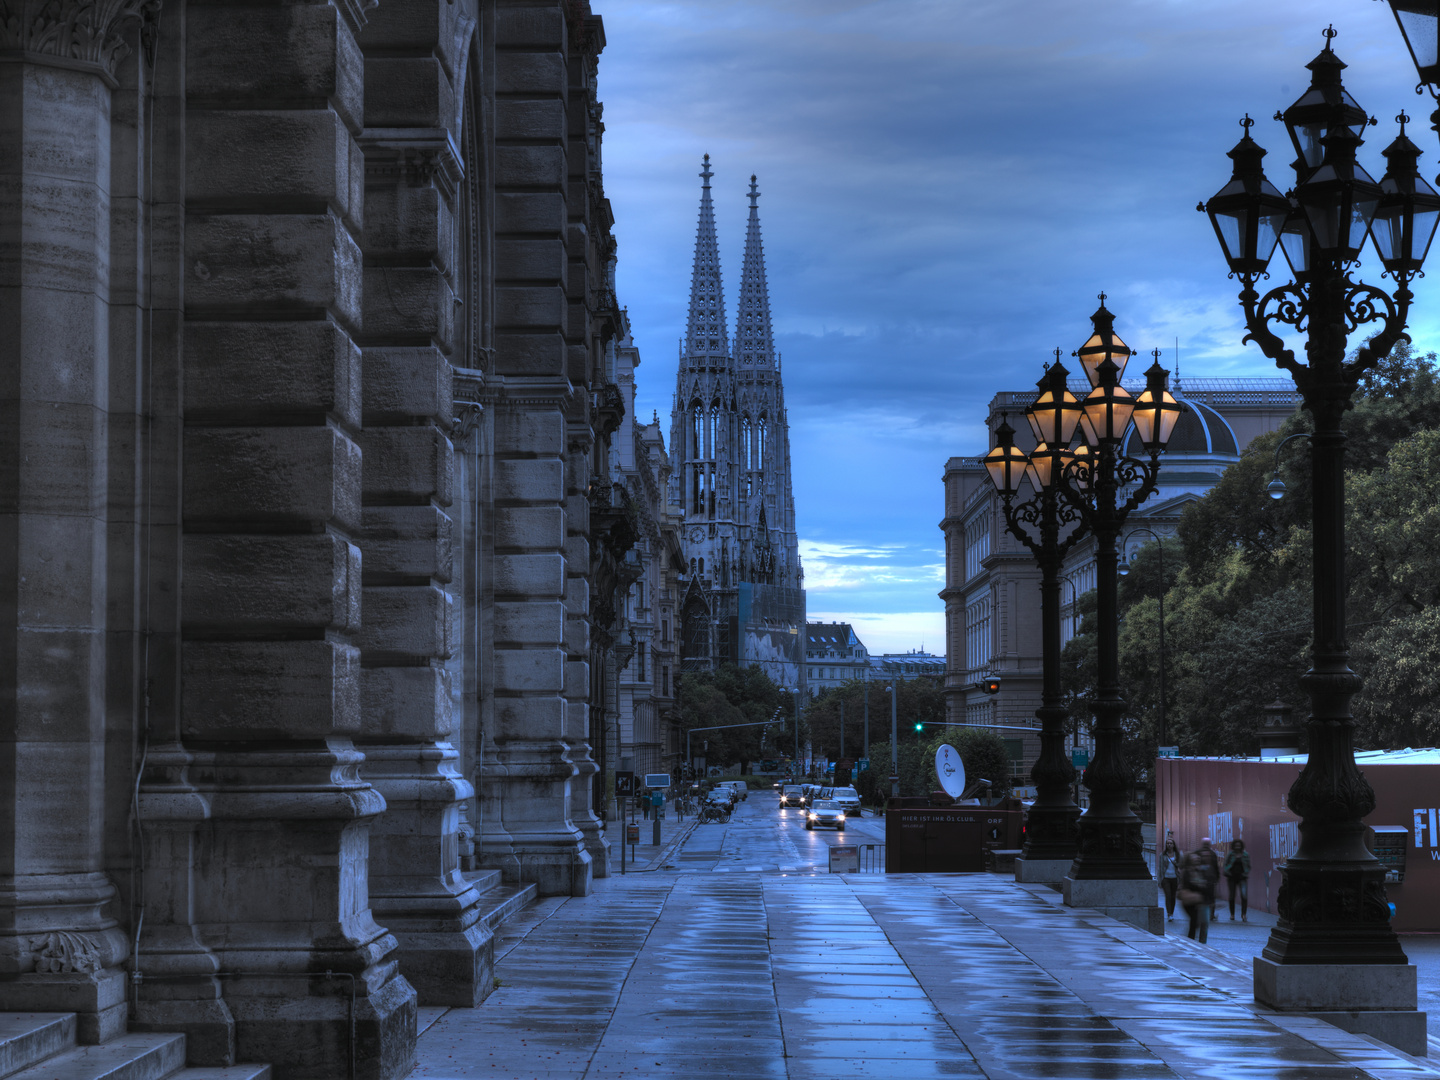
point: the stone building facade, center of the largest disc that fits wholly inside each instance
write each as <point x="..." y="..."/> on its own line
<point x="314" y="555"/>
<point x="833" y="656"/>
<point x="744" y="599"/>
<point x="647" y="736"/>
<point x="992" y="584"/>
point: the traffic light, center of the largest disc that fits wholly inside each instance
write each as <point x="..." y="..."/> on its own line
<point x="990" y="684"/>
<point x="919" y="726"/>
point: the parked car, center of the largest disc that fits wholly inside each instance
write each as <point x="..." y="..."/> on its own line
<point x="792" y="795"/>
<point x="721" y="796"/>
<point x="847" y="798"/>
<point x="825" y="812"/>
<point x="739" y="787"/>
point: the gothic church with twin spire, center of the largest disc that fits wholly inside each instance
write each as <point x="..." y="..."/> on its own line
<point x="744" y="600"/>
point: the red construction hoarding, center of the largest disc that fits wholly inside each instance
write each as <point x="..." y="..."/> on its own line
<point x="1245" y="798"/>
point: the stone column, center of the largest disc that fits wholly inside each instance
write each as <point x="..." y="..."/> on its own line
<point x="60" y="947"/>
<point x="275" y="878"/>
<point x="532" y="393"/>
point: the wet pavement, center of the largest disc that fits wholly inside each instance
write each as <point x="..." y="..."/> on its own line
<point x="713" y="969"/>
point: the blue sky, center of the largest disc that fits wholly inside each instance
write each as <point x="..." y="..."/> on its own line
<point x="947" y="185"/>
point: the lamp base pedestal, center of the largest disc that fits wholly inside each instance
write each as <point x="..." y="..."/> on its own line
<point x="1041" y="871"/>
<point x="1378" y="1000"/>
<point x="1130" y="900"/>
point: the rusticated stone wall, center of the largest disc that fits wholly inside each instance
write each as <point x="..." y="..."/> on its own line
<point x="263" y="641"/>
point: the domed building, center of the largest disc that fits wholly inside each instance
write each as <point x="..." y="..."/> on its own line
<point x="992" y="594"/>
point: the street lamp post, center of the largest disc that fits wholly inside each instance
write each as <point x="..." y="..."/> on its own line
<point x="1125" y="569"/>
<point x="1334" y="916"/>
<point x="894" y="742"/>
<point x="1105" y="486"/>
<point x="1038" y="522"/>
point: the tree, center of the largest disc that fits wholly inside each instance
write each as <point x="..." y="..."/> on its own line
<point x="734" y="695"/>
<point x="921" y="700"/>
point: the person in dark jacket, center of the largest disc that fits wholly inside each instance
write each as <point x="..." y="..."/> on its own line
<point x="1199" y="878"/>
<point x="1170" y="875"/>
<point x="1237" y="877"/>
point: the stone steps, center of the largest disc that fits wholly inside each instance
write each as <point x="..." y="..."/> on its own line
<point x="41" y="1046"/>
<point x="502" y="901"/>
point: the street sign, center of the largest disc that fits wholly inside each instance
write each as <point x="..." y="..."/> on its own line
<point x="862" y="764"/>
<point x="1079" y="758"/>
<point x="624" y="784"/>
<point x="844" y="859"/>
<point x="657" y="779"/>
<point x="1167" y="751"/>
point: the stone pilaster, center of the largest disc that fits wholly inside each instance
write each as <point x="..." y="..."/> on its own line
<point x="60" y="945"/>
<point x="273" y="878"/>
<point x="532" y="766"/>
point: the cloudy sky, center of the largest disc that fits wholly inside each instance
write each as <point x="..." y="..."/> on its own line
<point x="947" y="185"/>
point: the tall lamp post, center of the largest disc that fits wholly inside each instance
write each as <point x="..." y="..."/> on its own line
<point x="1105" y="486"/>
<point x="1038" y="522"/>
<point x="894" y="741"/>
<point x="1125" y="569"/>
<point x="1334" y="916"/>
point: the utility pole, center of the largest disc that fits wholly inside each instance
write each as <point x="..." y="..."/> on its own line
<point x="894" y="740"/>
<point x="841" y="755"/>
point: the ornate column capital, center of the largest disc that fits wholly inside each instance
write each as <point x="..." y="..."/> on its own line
<point x="87" y="35"/>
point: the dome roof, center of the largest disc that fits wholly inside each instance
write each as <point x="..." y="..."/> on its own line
<point x="1200" y="430"/>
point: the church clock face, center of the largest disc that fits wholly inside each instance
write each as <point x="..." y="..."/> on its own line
<point x="697" y="534"/>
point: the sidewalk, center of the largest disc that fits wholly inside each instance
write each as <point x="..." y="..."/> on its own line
<point x="646" y="854"/>
<point x="711" y="976"/>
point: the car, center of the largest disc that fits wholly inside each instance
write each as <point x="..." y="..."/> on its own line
<point x="825" y="812"/>
<point x="848" y="799"/>
<point x="791" y="795"/>
<point x="812" y="792"/>
<point x="739" y="787"/>
<point x="721" y="796"/>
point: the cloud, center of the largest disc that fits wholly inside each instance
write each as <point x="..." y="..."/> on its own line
<point x="946" y="188"/>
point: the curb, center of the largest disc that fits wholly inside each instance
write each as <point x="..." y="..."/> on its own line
<point x="665" y="850"/>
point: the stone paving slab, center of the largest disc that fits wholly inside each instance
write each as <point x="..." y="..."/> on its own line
<point x="799" y="976"/>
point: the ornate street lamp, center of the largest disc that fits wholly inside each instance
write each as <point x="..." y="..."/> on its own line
<point x="1125" y="569"/>
<point x="1109" y="868"/>
<point x="1332" y="903"/>
<point x="1038" y="522"/>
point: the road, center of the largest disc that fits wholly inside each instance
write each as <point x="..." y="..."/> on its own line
<point x="761" y="837"/>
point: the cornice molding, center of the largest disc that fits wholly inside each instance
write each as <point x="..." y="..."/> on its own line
<point x="83" y="35"/>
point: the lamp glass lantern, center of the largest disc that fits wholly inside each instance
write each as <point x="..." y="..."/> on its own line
<point x="1047" y="465"/>
<point x="1056" y="412"/>
<point x="1108" y="407"/>
<point x="1339" y="199"/>
<point x="1248" y="213"/>
<point x="1081" y="467"/>
<point x="1006" y="463"/>
<point x="1103" y="346"/>
<point x="1420" y="26"/>
<point x="1156" y="410"/>
<point x="1409" y="210"/>
<point x="1324" y="109"/>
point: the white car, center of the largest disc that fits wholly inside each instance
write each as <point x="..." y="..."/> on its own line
<point x="739" y="787"/>
<point x="847" y="798"/>
<point x="825" y="812"/>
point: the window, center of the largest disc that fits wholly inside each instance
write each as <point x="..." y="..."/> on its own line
<point x="640" y="661"/>
<point x="665" y="681"/>
<point x="665" y="631"/>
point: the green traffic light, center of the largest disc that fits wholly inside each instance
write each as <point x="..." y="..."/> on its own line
<point x="919" y="727"/>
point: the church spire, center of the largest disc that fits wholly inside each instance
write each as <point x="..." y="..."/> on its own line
<point x="754" y="342"/>
<point x="706" y="341"/>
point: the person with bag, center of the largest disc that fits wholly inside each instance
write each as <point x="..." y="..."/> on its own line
<point x="1237" y="875"/>
<point x="1199" y="878"/>
<point x="1170" y="876"/>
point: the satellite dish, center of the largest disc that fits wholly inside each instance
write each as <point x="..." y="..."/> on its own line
<point x="950" y="769"/>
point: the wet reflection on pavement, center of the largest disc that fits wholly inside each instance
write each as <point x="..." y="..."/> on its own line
<point x="809" y="975"/>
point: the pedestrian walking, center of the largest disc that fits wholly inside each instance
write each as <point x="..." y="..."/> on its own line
<point x="1237" y="878"/>
<point x="645" y="804"/>
<point x="1199" y="877"/>
<point x="1170" y="876"/>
